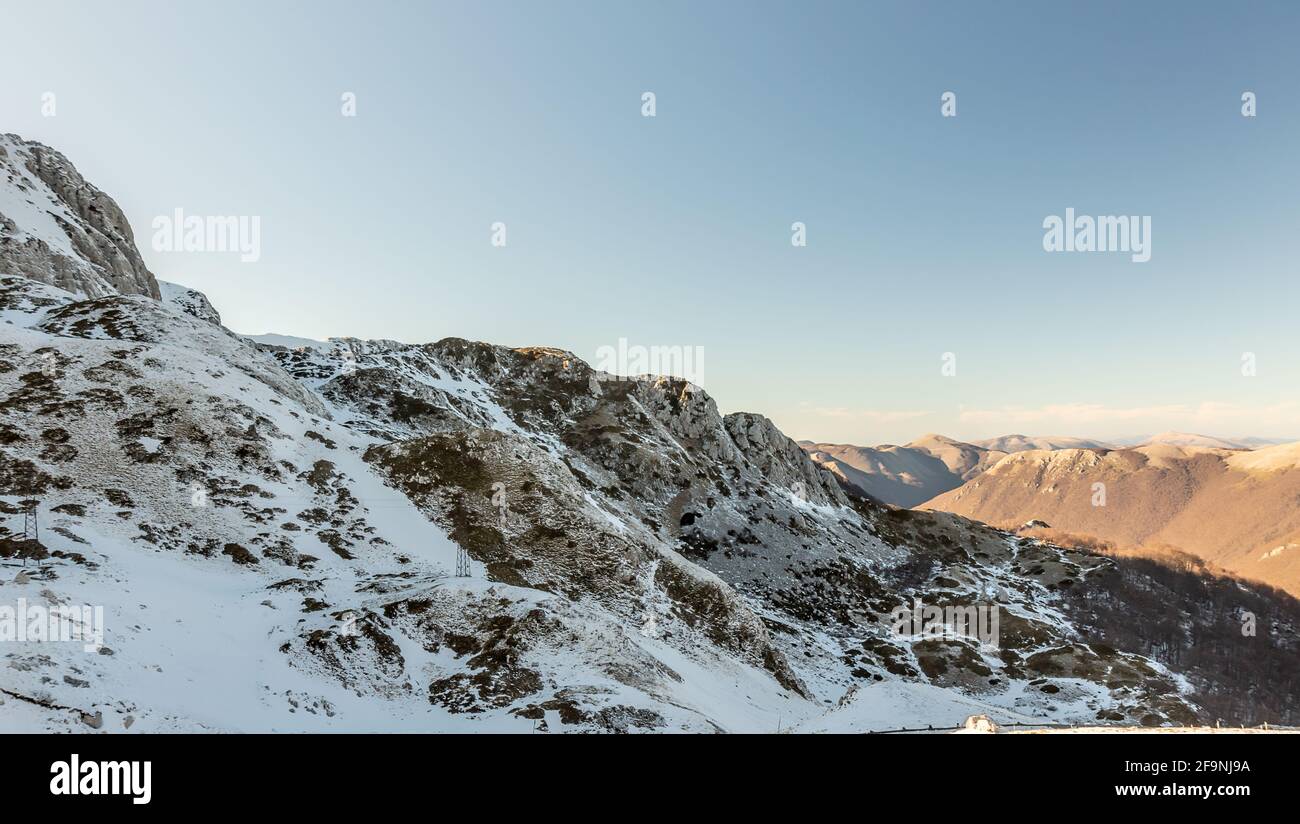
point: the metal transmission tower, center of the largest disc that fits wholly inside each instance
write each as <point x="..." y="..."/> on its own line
<point x="462" y="563"/>
<point x="31" y="527"/>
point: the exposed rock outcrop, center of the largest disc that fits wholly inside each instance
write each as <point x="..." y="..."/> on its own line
<point x="58" y="229"/>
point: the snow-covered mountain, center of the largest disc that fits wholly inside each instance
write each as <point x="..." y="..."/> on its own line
<point x="58" y="229"/>
<point x="1173" y="438"/>
<point x="1192" y="439"/>
<point x="274" y="534"/>
<point x="1022" y="443"/>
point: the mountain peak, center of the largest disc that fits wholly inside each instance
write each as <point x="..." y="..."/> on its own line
<point x="932" y="437"/>
<point x="1173" y="438"/>
<point x="57" y="228"/>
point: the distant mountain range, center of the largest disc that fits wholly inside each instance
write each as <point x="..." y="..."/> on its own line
<point x="1191" y="439"/>
<point x="1227" y="501"/>
<point x="931" y="465"/>
<point x="914" y="473"/>
<point x="1234" y="508"/>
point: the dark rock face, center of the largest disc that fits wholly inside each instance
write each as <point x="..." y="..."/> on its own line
<point x="58" y="229"/>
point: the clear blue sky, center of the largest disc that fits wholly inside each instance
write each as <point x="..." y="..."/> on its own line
<point x="924" y="233"/>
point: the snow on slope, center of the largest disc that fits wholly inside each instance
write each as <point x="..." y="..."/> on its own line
<point x="1190" y="439"/>
<point x="57" y="228"/>
<point x="1023" y="443"/>
<point x="197" y="624"/>
<point x="1206" y="441"/>
<point x="311" y="589"/>
<point x="33" y="209"/>
<point x="230" y="615"/>
<point x="190" y="301"/>
<point x="678" y="482"/>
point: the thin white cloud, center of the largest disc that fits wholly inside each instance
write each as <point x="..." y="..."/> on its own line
<point x="1208" y="414"/>
<point x="873" y="415"/>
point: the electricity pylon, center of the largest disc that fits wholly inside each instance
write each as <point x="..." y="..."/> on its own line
<point x="31" y="527"/>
